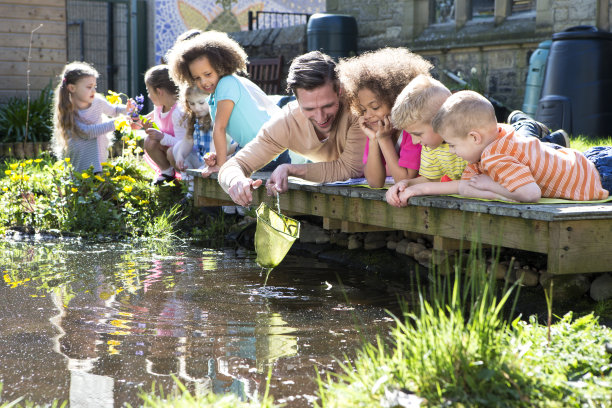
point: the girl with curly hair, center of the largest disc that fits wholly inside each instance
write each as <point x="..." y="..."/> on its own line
<point x="212" y="61"/>
<point x="372" y="82"/>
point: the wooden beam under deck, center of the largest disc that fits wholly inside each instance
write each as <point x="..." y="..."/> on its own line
<point x="576" y="237"/>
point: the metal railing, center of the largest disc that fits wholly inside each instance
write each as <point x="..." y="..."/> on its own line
<point x="275" y="19"/>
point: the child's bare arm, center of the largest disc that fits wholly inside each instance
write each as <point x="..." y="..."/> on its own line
<point x="224" y="110"/>
<point x="431" y="188"/>
<point x="483" y="186"/>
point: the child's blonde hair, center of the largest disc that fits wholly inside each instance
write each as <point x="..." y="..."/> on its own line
<point x="418" y="102"/>
<point x="384" y="72"/>
<point x="190" y="116"/>
<point x="63" y="107"/>
<point x="224" y="54"/>
<point x="463" y="112"/>
<point x="158" y="77"/>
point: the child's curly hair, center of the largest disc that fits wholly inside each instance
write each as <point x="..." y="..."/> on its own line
<point x="385" y="72"/>
<point x="225" y="55"/>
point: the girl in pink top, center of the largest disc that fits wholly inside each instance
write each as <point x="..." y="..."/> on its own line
<point x="168" y="116"/>
<point x="372" y="82"/>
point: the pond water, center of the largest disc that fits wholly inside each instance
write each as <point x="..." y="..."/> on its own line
<point x="96" y="323"/>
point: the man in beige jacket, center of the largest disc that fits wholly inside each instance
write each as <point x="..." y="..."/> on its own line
<point x="318" y="126"/>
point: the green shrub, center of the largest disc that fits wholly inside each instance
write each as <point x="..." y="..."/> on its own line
<point x="14" y="114"/>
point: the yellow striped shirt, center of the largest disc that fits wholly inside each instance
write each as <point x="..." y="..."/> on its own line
<point x="435" y="163"/>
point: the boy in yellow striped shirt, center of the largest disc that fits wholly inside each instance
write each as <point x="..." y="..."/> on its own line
<point x="413" y="112"/>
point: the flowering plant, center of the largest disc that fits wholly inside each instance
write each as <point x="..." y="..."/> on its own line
<point x="125" y="124"/>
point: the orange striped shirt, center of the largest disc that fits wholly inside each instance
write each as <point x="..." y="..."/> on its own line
<point x="514" y="161"/>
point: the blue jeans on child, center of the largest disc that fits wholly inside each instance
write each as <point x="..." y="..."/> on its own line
<point x="601" y="156"/>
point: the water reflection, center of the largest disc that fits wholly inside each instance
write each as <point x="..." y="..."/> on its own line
<point x="96" y="323"/>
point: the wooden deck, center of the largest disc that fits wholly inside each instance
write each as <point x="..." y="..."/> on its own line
<point x="576" y="237"/>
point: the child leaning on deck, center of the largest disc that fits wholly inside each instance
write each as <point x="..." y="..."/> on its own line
<point x="413" y="111"/>
<point x="503" y="165"/>
<point x="372" y="82"/>
<point x="82" y="129"/>
<point x="213" y="61"/>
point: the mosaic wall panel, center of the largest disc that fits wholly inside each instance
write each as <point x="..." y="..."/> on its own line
<point x="172" y="17"/>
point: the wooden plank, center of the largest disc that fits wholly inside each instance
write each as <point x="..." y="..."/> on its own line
<point x="352" y="227"/>
<point x="38" y="41"/>
<point x="331" y="223"/>
<point x="26" y="26"/>
<point x="27" y="12"/>
<point x="212" y="202"/>
<point x="580" y="246"/>
<point x="448" y="244"/>
<point x="49" y="69"/>
<point x="19" y="82"/>
<point x="33" y="3"/>
<point x="573" y="245"/>
<point x="38" y="55"/>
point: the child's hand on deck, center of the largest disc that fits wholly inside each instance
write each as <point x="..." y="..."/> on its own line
<point x="208" y="170"/>
<point x="392" y="195"/>
<point x="210" y="159"/>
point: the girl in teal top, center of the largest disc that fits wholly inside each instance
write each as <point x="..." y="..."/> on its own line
<point x="238" y="107"/>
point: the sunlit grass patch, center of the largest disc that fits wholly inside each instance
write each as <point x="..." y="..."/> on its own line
<point x="459" y="349"/>
<point x="581" y="143"/>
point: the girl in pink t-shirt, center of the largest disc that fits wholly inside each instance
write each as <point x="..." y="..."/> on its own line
<point x="168" y="116"/>
<point x="372" y="82"/>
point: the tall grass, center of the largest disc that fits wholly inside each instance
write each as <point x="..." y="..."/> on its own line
<point x="458" y="349"/>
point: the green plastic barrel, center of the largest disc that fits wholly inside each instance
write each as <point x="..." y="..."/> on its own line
<point x="535" y="78"/>
<point x="332" y="34"/>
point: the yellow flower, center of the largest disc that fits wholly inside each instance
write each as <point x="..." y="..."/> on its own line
<point x="22" y="164"/>
<point x="25" y="177"/>
<point x="119" y="168"/>
<point x="98" y="178"/>
<point x="4" y="188"/>
<point x="122" y="125"/>
<point x="104" y="164"/>
<point x="84" y="175"/>
<point x="29" y="161"/>
<point x="113" y="97"/>
<point x="67" y="159"/>
<point x="14" y="166"/>
<point x="74" y="190"/>
<point x="127" y="189"/>
<point x="37" y="160"/>
<point x="106" y="173"/>
<point x="7" y="172"/>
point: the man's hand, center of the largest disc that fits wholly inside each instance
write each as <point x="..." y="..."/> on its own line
<point x="279" y="180"/>
<point x="392" y="195"/>
<point x="241" y="191"/>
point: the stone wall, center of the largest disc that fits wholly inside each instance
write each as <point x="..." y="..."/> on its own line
<point x="288" y="42"/>
<point x="498" y="47"/>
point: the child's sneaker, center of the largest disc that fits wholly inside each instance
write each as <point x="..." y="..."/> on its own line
<point x="559" y="137"/>
<point x="518" y="116"/>
<point x="162" y="178"/>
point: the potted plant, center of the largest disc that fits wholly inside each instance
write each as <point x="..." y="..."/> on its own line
<point x="23" y="140"/>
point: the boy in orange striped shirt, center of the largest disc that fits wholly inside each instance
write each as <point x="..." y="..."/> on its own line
<point x="503" y="165"/>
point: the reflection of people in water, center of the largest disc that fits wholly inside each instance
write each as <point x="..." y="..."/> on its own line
<point x="78" y="322"/>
